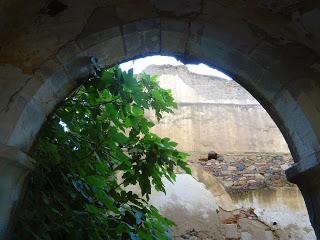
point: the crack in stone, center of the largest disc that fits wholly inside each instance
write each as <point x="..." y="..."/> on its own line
<point x="86" y="23"/>
<point x="187" y="43"/>
<point x="125" y="49"/>
<point x="255" y="47"/>
<point x="14" y="94"/>
<point x="160" y="35"/>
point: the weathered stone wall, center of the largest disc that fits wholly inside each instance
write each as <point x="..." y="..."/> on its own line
<point x="215" y="114"/>
<point x="248" y="171"/>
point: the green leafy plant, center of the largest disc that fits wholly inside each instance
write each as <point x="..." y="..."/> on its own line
<point x="96" y="144"/>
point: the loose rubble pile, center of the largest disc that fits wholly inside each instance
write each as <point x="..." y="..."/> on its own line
<point x="244" y="224"/>
<point x="238" y="224"/>
<point x="248" y="171"/>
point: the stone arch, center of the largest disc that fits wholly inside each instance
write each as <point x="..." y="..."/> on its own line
<point x="269" y="78"/>
<point x="283" y="77"/>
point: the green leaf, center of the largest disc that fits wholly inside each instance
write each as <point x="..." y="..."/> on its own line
<point x="92" y="209"/>
<point x="97" y="181"/>
<point x="137" y="111"/>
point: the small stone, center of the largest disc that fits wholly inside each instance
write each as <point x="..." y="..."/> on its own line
<point x="259" y="177"/>
<point x="249" y="175"/>
<point x="240" y="166"/>
<point x="203" y="159"/>
<point x="220" y="158"/>
<point x="228" y="183"/>
<point x="235" y="178"/>
<point x="278" y="158"/>
<point x="212" y="155"/>
<point x="245" y="236"/>
<point x="232" y="168"/>
<point x="252" y="182"/>
<point x="284" y="166"/>
<point x="251" y="168"/>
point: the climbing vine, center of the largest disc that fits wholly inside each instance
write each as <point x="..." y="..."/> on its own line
<point x="93" y="148"/>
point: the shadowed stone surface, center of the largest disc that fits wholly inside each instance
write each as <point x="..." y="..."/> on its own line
<point x="270" y="47"/>
<point x="15" y="166"/>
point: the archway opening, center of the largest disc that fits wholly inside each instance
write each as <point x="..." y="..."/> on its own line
<point x="266" y="76"/>
<point x="204" y="98"/>
<point x="252" y="155"/>
<point x="271" y="49"/>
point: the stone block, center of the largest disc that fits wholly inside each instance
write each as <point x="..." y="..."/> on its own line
<point x="174" y="36"/>
<point x="251" y="168"/>
<point x="108" y="52"/>
<point x="232" y="168"/>
<point x="265" y="54"/>
<point x="259" y="177"/>
<point x="15" y="166"/>
<point x="54" y="86"/>
<point x="68" y="52"/>
<point x="245" y="236"/>
<point x="142" y="37"/>
<point x="285" y="166"/>
<point x="240" y="167"/>
<point x="231" y="231"/>
<point x="251" y="183"/>
<point x="227" y="183"/>
<point x="26" y="129"/>
<point x="179" y="7"/>
<point x="98" y="37"/>
<point x="268" y="235"/>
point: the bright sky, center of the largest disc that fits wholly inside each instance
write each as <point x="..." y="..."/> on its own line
<point x="140" y="64"/>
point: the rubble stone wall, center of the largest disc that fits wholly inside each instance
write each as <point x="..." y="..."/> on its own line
<point x="247" y="171"/>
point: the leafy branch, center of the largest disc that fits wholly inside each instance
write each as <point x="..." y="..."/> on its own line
<point x="96" y="144"/>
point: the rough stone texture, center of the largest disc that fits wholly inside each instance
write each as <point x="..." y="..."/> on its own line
<point x="271" y="49"/>
<point x="141" y="37"/>
<point x="231" y="231"/>
<point x="14" y="168"/>
<point x="245" y="171"/>
<point x="245" y="236"/>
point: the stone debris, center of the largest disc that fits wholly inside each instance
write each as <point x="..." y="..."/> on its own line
<point x="239" y="224"/>
<point x="231" y="231"/>
<point x="220" y="158"/>
<point x="245" y="225"/>
<point x="212" y="155"/>
<point x="195" y="235"/>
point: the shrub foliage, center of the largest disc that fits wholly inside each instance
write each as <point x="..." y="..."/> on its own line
<point x="94" y="145"/>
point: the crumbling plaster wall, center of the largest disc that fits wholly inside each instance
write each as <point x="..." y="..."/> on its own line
<point x="214" y="114"/>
